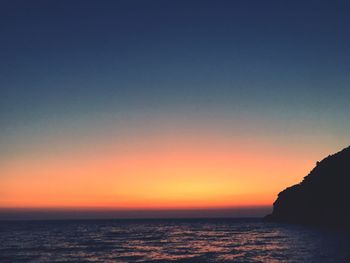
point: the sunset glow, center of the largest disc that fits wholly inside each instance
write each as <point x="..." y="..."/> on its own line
<point x="151" y="104"/>
<point x="169" y="172"/>
<point x="174" y="131"/>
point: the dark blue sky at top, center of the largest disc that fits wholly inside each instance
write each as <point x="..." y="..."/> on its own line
<point x="62" y="58"/>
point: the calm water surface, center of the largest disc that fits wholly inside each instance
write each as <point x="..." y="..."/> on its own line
<point x="196" y="240"/>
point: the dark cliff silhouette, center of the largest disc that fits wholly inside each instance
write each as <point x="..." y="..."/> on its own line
<point x="322" y="198"/>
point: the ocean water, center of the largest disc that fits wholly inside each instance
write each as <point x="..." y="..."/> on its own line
<point x="177" y="240"/>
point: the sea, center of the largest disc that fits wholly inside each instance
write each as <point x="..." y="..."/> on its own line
<point x="169" y="240"/>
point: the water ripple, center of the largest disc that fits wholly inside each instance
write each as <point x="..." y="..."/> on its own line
<point x="168" y="241"/>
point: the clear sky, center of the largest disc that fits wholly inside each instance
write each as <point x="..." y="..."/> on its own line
<point x="168" y="104"/>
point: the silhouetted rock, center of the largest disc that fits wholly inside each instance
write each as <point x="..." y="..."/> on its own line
<point x="322" y="198"/>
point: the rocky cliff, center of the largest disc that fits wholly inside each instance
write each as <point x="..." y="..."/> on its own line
<point x="322" y="198"/>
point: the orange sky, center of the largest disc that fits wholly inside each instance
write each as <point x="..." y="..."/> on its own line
<point x="187" y="171"/>
<point x="188" y="105"/>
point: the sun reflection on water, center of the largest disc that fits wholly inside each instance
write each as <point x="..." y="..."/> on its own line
<point x="168" y="240"/>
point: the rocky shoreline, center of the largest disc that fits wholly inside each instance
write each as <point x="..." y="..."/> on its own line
<point x="322" y="198"/>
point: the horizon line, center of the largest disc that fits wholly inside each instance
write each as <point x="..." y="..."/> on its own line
<point x="18" y="214"/>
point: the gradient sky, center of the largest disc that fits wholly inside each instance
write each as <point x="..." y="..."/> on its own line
<point x="168" y="104"/>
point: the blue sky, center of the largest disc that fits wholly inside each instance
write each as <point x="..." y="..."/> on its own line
<point x="79" y="71"/>
<point x="284" y="62"/>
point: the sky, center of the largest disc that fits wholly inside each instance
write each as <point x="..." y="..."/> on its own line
<point x="168" y="104"/>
